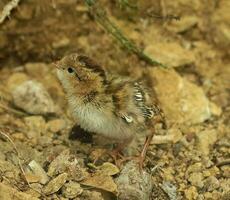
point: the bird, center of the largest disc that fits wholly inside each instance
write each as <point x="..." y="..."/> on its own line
<point x="116" y="107"/>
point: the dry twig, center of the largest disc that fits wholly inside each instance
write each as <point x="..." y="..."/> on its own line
<point x="101" y="17"/>
<point x="3" y="133"/>
<point x="17" y="153"/>
<point x="7" y="10"/>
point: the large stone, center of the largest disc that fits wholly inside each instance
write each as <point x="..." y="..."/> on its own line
<point x="170" y="54"/>
<point x="33" y="98"/>
<point x="132" y="184"/>
<point x="9" y="193"/>
<point x="181" y="100"/>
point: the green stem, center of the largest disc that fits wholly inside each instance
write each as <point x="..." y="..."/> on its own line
<point x="101" y="17"/>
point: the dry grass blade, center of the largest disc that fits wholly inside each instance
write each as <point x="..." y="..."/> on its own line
<point x="12" y="110"/>
<point x="3" y="133"/>
<point x="17" y="153"/>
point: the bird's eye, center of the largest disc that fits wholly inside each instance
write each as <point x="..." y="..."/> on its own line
<point x="70" y="70"/>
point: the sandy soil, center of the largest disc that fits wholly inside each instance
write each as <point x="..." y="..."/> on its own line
<point x="43" y="157"/>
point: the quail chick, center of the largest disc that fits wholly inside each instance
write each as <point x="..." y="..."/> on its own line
<point x="116" y="107"/>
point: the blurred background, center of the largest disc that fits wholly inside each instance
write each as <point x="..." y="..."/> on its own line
<point x="190" y="37"/>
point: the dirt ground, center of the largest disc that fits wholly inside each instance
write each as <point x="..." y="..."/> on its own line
<point x="43" y="157"/>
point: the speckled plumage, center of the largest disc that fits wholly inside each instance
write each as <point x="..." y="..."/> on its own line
<point x="116" y="107"/>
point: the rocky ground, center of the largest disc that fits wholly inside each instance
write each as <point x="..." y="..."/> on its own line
<point x="43" y="157"/>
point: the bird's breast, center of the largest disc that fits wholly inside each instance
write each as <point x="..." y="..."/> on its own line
<point x="101" y="121"/>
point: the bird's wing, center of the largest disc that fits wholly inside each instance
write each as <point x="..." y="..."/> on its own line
<point x="122" y="97"/>
<point x="147" y="102"/>
<point x="132" y="101"/>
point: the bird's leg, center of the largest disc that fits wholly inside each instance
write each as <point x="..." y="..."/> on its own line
<point x="144" y="150"/>
<point x="117" y="155"/>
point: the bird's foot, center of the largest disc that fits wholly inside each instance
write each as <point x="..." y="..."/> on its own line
<point x="119" y="158"/>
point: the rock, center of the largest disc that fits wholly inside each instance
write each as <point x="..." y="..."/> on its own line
<point x="170" y="190"/>
<point x="225" y="185"/>
<point x="71" y="190"/>
<point x="37" y="70"/>
<point x="31" y="178"/>
<point x="211" y="183"/>
<point x="215" y="110"/>
<point x="226" y="195"/>
<point x="36" y="125"/>
<point x="45" y="140"/>
<point x="32" y="97"/>
<point x="171" y="54"/>
<point x="10" y="170"/>
<point x="196" y="167"/>
<point x="205" y="140"/>
<point x="38" y="171"/>
<point x="213" y="171"/>
<point x="46" y="74"/>
<point x="35" y="190"/>
<point x="226" y="171"/>
<point x="191" y="193"/>
<point x="55" y="184"/>
<point x="102" y="178"/>
<point x="56" y="125"/>
<point x="63" y="42"/>
<point x="132" y="184"/>
<point x="101" y="181"/>
<point x="181" y="100"/>
<point x="109" y="169"/>
<point x="16" y="79"/>
<point x="196" y="179"/>
<point x="19" y="136"/>
<point x="168" y="173"/>
<point x="214" y="196"/>
<point x="220" y="26"/>
<point x="182" y="25"/>
<point x="173" y="136"/>
<point x="91" y="195"/>
<point x="65" y="162"/>
<point x="9" y="193"/>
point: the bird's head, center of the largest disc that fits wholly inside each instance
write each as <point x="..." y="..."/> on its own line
<point x="80" y="75"/>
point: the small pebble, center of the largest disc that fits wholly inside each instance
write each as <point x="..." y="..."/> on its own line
<point x="38" y="171"/>
<point x="71" y="190"/>
<point x="56" y="125"/>
<point x="55" y="184"/>
<point x="133" y="185"/>
<point x="196" y="179"/>
<point x="33" y="98"/>
<point x="211" y="183"/>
